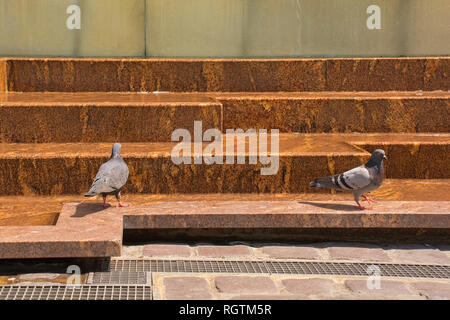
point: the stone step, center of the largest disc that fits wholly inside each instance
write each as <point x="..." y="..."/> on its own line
<point x="37" y="117"/>
<point x="224" y="75"/>
<point x="69" y="168"/>
<point x="96" y="117"/>
<point x="88" y="230"/>
<point x="44" y="210"/>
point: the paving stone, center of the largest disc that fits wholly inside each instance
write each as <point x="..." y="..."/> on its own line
<point x="245" y="284"/>
<point x="360" y="252"/>
<point x="418" y="254"/>
<point x="292" y="252"/>
<point x="223" y="251"/>
<point x="185" y="288"/>
<point x="433" y="290"/>
<point x="388" y="288"/>
<point x="132" y="251"/>
<point x="156" y="250"/>
<point x="311" y="286"/>
<point x="444" y="248"/>
<point x="38" y="284"/>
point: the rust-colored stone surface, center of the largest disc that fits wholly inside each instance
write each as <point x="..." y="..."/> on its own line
<point x="105" y="117"/>
<point x="3" y="75"/>
<point x="52" y="169"/>
<point x="387" y="74"/>
<point x="228" y="75"/>
<point x="36" y="117"/>
<point x="437" y="74"/>
<point x="79" y="232"/>
<point x="178" y="75"/>
<point x="418" y="156"/>
<point x="327" y="112"/>
<point x="88" y="230"/>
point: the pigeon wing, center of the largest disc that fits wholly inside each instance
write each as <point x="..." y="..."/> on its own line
<point x="357" y="178"/>
<point x="111" y="177"/>
<point x="118" y="175"/>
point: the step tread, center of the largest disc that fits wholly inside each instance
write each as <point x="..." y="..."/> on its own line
<point x="437" y="94"/>
<point x="104" y="99"/>
<point x="11" y="99"/>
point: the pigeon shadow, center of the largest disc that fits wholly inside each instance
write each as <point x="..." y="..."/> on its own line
<point x="332" y="206"/>
<point x="84" y="209"/>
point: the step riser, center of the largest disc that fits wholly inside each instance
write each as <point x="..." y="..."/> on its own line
<point x="308" y="235"/>
<point x="56" y="176"/>
<point x="415" y="161"/>
<point x="227" y="75"/>
<point x="161" y="175"/>
<point x="339" y="115"/>
<point x="102" y="124"/>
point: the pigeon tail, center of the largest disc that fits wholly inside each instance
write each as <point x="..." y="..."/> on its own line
<point x="115" y="153"/>
<point x="326" y="182"/>
<point x="90" y="193"/>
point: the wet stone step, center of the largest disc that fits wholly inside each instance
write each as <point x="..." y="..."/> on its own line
<point x="224" y="75"/>
<point x="36" y="117"/>
<point x="68" y="168"/>
<point x="103" y="117"/>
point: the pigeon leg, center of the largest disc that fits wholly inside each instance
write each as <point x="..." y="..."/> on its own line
<point x="120" y="205"/>
<point x="360" y="206"/>
<point x="369" y="200"/>
<point x="104" y="200"/>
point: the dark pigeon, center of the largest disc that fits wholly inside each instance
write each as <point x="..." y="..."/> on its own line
<point x="111" y="177"/>
<point x="359" y="180"/>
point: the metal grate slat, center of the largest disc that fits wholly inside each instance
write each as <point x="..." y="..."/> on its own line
<point x="117" y="277"/>
<point x="84" y="292"/>
<point x="275" y="267"/>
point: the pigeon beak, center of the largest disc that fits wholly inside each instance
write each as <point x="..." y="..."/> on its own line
<point x="384" y="158"/>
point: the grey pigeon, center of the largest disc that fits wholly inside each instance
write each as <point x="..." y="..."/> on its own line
<point x="359" y="180"/>
<point x="111" y="177"/>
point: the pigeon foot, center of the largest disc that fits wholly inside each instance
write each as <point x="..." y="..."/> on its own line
<point x="123" y="205"/>
<point x="369" y="200"/>
<point x="361" y="207"/>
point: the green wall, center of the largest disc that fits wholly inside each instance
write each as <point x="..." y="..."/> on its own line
<point x="224" y="28"/>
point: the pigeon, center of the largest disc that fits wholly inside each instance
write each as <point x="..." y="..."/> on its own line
<point x="359" y="180"/>
<point x="111" y="177"/>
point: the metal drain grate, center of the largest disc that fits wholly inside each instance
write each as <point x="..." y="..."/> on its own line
<point x="85" y="292"/>
<point x="281" y="267"/>
<point x="118" y="277"/>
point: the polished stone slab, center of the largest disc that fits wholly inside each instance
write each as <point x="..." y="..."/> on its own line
<point x="88" y="230"/>
<point x="44" y="210"/>
<point x="287" y="214"/>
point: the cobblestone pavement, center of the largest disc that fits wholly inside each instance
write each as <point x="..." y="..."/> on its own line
<point x="260" y="287"/>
